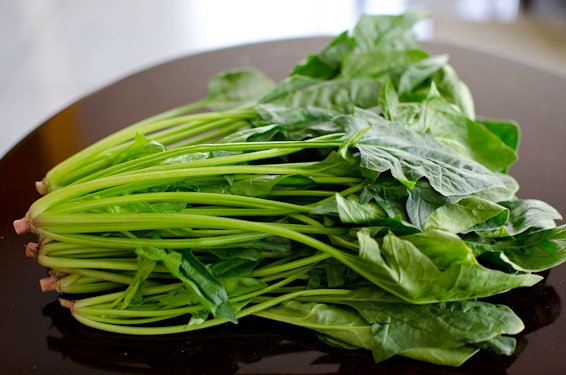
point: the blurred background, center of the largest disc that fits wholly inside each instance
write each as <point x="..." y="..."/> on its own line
<point x="53" y="52"/>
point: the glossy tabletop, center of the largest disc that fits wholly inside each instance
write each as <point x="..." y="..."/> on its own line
<point x="40" y="337"/>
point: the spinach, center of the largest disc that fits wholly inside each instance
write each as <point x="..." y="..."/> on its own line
<point x="361" y="197"/>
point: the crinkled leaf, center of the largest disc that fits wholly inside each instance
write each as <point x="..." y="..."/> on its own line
<point x="300" y="123"/>
<point x="523" y="215"/>
<point x="450" y="126"/>
<point x="466" y="213"/>
<point x="409" y="156"/>
<point x="531" y="251"/>
<point x="438" y="269"/>
<point x="418" y="72"/>
<point x="530" y="213"/>
<point x="455" y="90"/>
<point x="398" y="327"/>
<point x="378" y="63"/>
<point x="351" y="212"/>
<point x="341" y="95"/>
<point x="389" y="193"/>
<point x="385" y="32"/>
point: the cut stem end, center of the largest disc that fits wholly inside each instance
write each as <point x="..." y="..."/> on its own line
<point x="31" y="249"/>
<point x="48" y="284"/>
<point x="21" y="226"/>
<point x="66" y="303"/>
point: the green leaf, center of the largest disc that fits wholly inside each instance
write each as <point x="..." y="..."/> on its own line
<point x="196" y="278"/>
<point x="507" y="131"/>
<point x="388" y="101"/>
<point x="259" y="187"/>
<point x="419" y="72"/>
<point x="410" y="156"/>
<point x="384" y="32"/>
<point x="453" y="357"/>
<point x="341" y="95"/>
<point x="530" y="251"/>
<point x="466" y="213"/>
<point x="300" y="123"/>
<point x="530" y="213"/>
<point x="389" y="193"/>
<point x="428" y="267"/>
<point x="134" y="290"/>
<point x="238" y="286"/>
<point x="331" y="272"/>
<point x="341" y="324"/>
<point x="523" y="215"/>
<point x="424" y="201"/>
<point x="352" y="212"/>
<point x="379" y="63"/>
<point x="234" y="88"/>
<point x="450" y="126"/>
<point x="233" y="267"/>
<point x="344" y="328"/>
<point x="257" y="134"/>
<point x="327" y="63"/>
<point x="399" y="327"/>
<point x="299" y="116"/>
<point x="501" y="194"/>
<point x="242" y="253"/>
<point x="455" y="90"/>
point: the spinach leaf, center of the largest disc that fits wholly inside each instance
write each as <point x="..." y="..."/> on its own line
<point x="327" y="63"/>
<point x="460" y="216"/>
<point x="341" y="95"/>
<point x="455" y="90"/>
<point x="196" y="278"/>
<point x="379" y="63"/>
<point x="398" y="327"/>
<point x="530" y="251"/>
<point x="343" y="325"/>
<point x="469" y="138"/>
<point x="386" y="32"/>
<point x="418" y="73"/>
<point x="409" y="156"/>
<point x="428" y="267"/>
<point x="234" y="88"/>
<point x="344" y="328"/>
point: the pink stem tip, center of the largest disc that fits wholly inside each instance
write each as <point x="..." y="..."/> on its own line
<point x="41" y="187"/>
<point x="31" y="249"/>
<point x="21" y="226"/>
<point x="66" y="303"/>
<point x="48" y="284"/>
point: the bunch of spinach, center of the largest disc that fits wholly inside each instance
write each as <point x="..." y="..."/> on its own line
<point x="360" y="197"/>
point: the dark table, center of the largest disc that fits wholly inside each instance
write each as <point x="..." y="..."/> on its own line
<point x="40" y="337"/>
